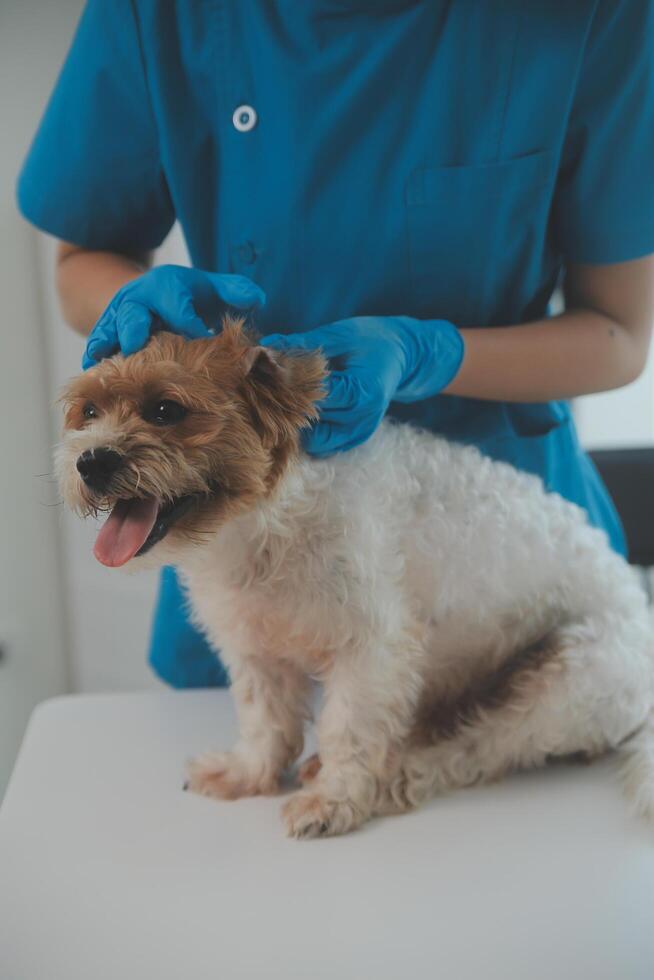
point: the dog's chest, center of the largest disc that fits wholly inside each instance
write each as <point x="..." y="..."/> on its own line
<point x="243" y="622"/>
<point x="280" y="593"/>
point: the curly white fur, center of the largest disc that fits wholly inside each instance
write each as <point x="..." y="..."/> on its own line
<point x="403" y="574"/>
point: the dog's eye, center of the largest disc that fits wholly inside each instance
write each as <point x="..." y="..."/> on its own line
<point x="164" y="412"/>
<point x="90" y="411"/>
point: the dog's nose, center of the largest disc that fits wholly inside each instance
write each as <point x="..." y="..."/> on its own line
<point x="97" y="466"/>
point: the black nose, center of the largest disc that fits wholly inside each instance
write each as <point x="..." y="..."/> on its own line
<point x="97" y="466"/>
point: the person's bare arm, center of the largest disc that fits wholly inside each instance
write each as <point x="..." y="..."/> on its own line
<point x="87" y="281"/>
<point x="600" y="342"/>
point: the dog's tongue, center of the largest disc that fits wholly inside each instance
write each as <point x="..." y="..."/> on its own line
<point x="125" y="530"/>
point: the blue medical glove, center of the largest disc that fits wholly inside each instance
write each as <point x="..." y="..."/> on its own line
<point x="374" y="360"/>
<point x="187" y="301"/>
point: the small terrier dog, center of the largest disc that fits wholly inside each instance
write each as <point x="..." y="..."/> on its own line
<point x="463" y="621"/>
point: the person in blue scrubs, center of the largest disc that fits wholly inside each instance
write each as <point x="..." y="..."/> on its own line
<point x="406" y="181"/>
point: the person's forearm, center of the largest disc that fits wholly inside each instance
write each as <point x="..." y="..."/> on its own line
<point x="576" y="353"/>
<point x="600" y="342"/>
<point x="87" y="281"/>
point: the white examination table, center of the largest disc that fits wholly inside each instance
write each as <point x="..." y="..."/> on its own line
<point x="108" y="871"/>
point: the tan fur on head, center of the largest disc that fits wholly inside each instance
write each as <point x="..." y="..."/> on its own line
<point x="245" y="408"/>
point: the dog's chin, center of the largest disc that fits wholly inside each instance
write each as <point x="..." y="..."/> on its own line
<point x="135" y="526"/>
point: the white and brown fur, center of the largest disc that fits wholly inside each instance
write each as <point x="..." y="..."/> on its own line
<point x="463" y="621"/>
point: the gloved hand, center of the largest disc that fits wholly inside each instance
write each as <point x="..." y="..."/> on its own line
<point x="186" y="301"/>
<point x="375" y="360"/>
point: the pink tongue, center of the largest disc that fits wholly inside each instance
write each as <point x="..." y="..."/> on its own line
<point x="125" y="530"/>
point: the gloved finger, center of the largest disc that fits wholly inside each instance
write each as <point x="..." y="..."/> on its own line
<point x="239" y="291"/>
<point x="102" y="342"/>
<point x="88" y="361"/>
<point x="328" y="343"/>
<point x="343" y="394"/>
<point x="105" y="322"/>
<point x="285" y="342"/>
<point x="180" y="316"/>
<point x="133" y="326"/>
<point x="326" y="438"/>
<point x="321" y="439"/>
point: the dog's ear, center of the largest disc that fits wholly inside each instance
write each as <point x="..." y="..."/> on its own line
<point x="262" y="364"/>
<point x="281" y="390"/>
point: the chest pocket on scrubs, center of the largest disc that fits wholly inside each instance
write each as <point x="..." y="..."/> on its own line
<point x="474" y="233"/>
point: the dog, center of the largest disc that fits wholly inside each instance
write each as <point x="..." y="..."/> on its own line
<point x="463" y="621"/>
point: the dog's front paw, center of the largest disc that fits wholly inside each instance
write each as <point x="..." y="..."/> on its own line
<point x="312" y="814"/>
<point x="229" y="776"/>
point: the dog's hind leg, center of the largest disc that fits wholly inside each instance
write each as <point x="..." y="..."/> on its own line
<point x="582" y="689"/>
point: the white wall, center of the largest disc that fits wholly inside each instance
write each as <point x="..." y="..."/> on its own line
<point x="620" y="418"/>
<point x="32" y="611"/>
<point x="67" y="622"/>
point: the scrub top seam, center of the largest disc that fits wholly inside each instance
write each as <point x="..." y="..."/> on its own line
<point x="228" y="171"/>
<point x="148" y="90"/>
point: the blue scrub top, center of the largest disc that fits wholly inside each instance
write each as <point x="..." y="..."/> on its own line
<point x="433" y="158"/>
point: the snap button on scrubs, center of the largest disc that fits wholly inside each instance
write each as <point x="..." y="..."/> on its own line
<point x="443" y="159"/>
<point x="244" y="118"/>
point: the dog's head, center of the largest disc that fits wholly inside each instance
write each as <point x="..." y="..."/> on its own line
<point x="182" y="436"/>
